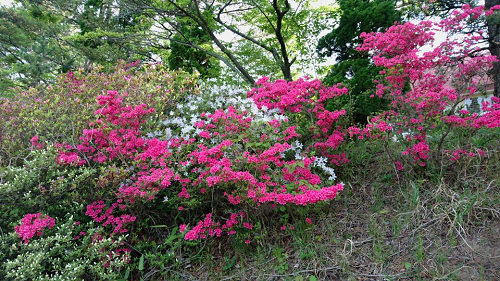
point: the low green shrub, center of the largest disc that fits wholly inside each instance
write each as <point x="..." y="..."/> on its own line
<point x="41" y="185"/>
<point x="70" y="251"/>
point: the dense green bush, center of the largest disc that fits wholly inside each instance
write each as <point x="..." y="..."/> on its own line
<point x="71" y="251"/>
<point x="43" y="185"/>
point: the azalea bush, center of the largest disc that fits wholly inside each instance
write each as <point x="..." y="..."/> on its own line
<point x="71" y="250"/>
<point x="232" y="158"/>
<point x="42" y="185"/>
<point x="39" y="123"/>
<point x="305" y="101"/>
<point x="426" y="124"/>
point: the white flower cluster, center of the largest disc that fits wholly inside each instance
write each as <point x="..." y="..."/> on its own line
<point x="296" y="147"/>
<point x="212" y="98"/>
<point x="186" y="125"/>
<point x="322" y="162"/>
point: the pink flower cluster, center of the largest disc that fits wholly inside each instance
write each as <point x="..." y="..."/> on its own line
<point x="420" y="152"/>
<point x="68" y="155"/>
<point x="34" y="142"/>
<point x="33" y="224"/>
<point x="208" y="227"/>
<point x="97" y="212"/>
<point x="269" y="164"/>
<point x="119" y="135"/>
<point x="308" y="98"/>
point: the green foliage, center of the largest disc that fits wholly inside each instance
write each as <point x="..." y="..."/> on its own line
<point x="108" y="32"/>
<point x="357" y="74"/>
<point x="42" y="185"/>
<point x="256" y="59"/>
<point x="354" y="69"/>
<point x="30" y="50"/>
<point x="63" y="254"/>
<point x="281" y="260"/>
<point x="246" y="36"/>
<point x="39" y="39"/>
<point x="357" y="16"/>
<point x="164" y="252"/>
<point x="189" y="58"/>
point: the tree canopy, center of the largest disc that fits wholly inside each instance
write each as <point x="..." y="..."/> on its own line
<point x="282" y="39"/>
<point x="275" y="29"/>
<point x="353" y="68"/>
<point x="32" y="47"/>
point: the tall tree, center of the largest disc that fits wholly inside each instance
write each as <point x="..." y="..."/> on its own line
<point x="109" y="31"/>
<point x="32" y="47"/>
<point x="42" y="38"/>
<point x="103" y="31"/>
<point x="352" y="68"/>
<point x="268" y="25"/>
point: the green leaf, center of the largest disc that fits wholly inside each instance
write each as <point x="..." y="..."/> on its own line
<point x="303" y="182"/>
<point x="141" y="263"/>
<point x="127" y="273"/>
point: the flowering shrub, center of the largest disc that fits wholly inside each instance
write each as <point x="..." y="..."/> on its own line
<point x="307" y="98"/>
<point x="426" y="88"/>
<point x="72" y="251"/>
<point x="215" y="162"/>
<point x="41" y="185"/>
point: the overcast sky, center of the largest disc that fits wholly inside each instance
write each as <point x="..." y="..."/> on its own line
<point x="5" y="2"/>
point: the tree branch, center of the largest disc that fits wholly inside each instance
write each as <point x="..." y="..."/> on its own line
<point x="267" y="48"/>
<point x="285" y="65"/>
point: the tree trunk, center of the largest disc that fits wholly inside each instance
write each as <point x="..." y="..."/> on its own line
<point x="493" y="23"/>
<point x="285" y="61"/>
